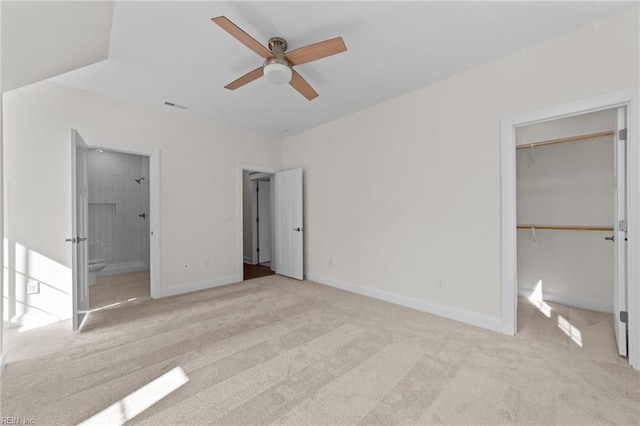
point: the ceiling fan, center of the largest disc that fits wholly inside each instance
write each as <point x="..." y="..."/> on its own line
<point x="278" y="63"/>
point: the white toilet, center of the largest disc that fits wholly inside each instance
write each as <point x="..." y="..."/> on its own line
<point x="95" y="266"/>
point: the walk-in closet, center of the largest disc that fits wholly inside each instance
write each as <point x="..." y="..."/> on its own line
<point x="567" y="178"/>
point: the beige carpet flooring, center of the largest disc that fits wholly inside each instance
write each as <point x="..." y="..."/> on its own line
<point x="274" y="350"/>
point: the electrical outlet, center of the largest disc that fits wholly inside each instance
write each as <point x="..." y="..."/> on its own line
<point x="33" y="287"/>
<point x="440" y="282"/>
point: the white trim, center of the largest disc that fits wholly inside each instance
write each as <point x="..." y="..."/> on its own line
<point x="37" y="318"/>
<point x="123" y="268"/>
<point x="155" y="277"/>
<point x="2" y="218"/>
<point x="241" y="167"/>
<point x="629" y="98"/>
<point x="509" y="276"/>
<point x="254" y="223"/>
<point x="450" y="312"/>
<point x="248" y="260"/>
<point x="564" y="299"/>
<point x="260" y="176"/>
<point x="198" y="285"/>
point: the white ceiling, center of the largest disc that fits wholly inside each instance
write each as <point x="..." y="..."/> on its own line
<point x="171" y="51"/>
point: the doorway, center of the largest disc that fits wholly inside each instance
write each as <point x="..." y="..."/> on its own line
<point x="287" y="227"/>
<point x="566" y="181"/>
<point x="258" y="242"/>
<point x="119" y="232"/>
<point x="123" y="206"/>
<point x="623" y="227"/>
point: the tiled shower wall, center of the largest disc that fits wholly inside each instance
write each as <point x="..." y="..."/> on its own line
<point x="116" y="232"/>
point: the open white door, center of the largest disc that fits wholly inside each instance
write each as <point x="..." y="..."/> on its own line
<point x="79" y="228"/>
<point x="620" y="234"/>
<point x="289" y="226"/>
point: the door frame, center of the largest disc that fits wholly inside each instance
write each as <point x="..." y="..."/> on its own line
<point x="155" y="277"/>
<point x="254" y="227"/>
<point x="508" y="125"/>
<point x="240" y="169"/>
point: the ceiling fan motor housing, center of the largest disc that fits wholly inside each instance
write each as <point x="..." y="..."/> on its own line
<point x="277" y="45"/>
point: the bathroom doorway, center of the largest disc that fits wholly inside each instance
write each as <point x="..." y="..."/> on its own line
<point x="118" y="225"/>
<point x="120" y="240"/>
<point x="258" y="244"/>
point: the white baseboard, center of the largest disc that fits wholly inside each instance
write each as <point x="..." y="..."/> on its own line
<point x="198" y="285"/>
<point x="569" y="301"/>
<point x="123" y="268"/>
<point x="247" y="259"/>
<point x="462" y="315"/>
<point x="34" y="318"/>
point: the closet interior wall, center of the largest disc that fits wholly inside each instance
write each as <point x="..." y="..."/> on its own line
<point x="567" y="185"/>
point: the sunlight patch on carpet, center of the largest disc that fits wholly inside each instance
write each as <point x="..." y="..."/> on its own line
<point x="570" y="330"/>
<point x="537" y="300"/>
<point x="138" y="401"/>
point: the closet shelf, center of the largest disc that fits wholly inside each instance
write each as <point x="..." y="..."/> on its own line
<point x="569" y="139"/>
<point x="567" y="227"/>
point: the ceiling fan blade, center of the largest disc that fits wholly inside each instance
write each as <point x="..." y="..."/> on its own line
<point x="245" y="79"/>
<point x="316" y="51"/>
<point x="242" y="37"/>
<point x="301" y="85"/>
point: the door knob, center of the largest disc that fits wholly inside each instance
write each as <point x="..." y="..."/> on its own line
<point x="80" y="239"/>
<point x="611" y="238"/>
<point x="297" y="229"/>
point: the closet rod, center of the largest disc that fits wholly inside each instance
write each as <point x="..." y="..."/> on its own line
<point x="568" y="227"/>
<point x="569" y="139"/>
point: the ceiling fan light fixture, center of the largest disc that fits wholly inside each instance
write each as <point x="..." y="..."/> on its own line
<point x="278" y="73"/>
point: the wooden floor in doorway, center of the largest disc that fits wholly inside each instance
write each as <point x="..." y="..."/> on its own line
<point x="256" y="271"/>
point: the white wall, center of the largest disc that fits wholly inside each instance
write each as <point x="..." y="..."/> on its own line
<point x="567" y="184"/>
<point x="198" y="188"/>
<point x="116" y="231"/>
<point x="434" y="210"/>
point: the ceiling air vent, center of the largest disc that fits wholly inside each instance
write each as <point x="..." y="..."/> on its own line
<point x="172" y="104"/>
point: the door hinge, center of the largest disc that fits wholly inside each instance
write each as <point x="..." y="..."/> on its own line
<point x="622" y="134"/>
<point x="257" y="219"/>
<point x="624" y="317"/>
<point x="622" y="225"/>
<point x="257" y="249"/>
<point x="257" y="188"/>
